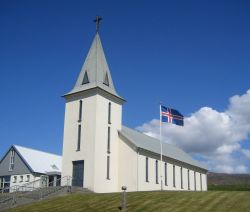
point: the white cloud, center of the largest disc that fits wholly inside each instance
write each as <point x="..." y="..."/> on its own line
<point x="246" y="152"/>
<point x="212" y="135"/>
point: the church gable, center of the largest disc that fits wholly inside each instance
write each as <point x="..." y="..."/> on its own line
<point x="13" y="164"/>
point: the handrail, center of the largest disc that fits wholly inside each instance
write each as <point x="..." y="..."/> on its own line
<point x="31" y="185"/>
<point x="28" y="190"/>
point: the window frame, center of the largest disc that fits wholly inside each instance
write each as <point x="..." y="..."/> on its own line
<point x="156" y="172"/>
<point x="195" y="188"/>
<point x="108" y="142"/>
<point x="201" y="181"/>
<point x="174" y="183"/>
<point x="80" y="111"/>
<point x="108" y="168"/>
<point x="109" y="113"/>
<point x="27" y="178"/>
<point x="79" y="133"/>
<point x="166" y="173"/>
<point x="181" y="170"/>
<point x="147" y="170"/>
<point x="12" y="159"/>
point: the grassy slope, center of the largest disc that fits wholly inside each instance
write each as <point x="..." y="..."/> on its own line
<point x="147" y="201"/>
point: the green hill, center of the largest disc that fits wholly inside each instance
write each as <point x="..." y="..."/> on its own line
<point x="147" y="201"/>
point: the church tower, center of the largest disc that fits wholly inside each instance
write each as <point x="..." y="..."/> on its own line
<point x="93" y="117"/>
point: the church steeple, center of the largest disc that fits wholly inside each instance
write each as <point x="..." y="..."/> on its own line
<point x="95" y="72"/>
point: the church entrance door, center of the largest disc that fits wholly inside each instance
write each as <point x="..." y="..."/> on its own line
<point x="78" y="169"/>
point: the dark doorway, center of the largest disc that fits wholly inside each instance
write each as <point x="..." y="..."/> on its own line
<point x="77" y="177"/>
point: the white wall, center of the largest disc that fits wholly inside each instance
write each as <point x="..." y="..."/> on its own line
<point x="135" y="178"/>
<point x="18" y="182"/>
<point x="127" y="166"/>
<point x="93" y="141"/>
<point x="101" y="183"/>
<point x="86" y="152"/>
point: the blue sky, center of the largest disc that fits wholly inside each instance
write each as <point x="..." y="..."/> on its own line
<point x="190" y="55"/>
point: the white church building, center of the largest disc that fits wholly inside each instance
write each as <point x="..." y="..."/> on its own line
<point x="101" y="154"/>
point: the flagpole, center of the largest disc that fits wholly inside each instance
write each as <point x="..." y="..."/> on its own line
<point x="161" y="147"/>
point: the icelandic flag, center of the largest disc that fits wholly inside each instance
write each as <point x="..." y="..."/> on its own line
<point x="171" y="116"/>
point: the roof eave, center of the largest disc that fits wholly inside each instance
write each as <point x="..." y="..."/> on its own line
<point x="118" y="98"/>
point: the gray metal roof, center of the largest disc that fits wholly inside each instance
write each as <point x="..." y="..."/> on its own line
<point x="97" y="69"/>
<point x="151" y="144"/>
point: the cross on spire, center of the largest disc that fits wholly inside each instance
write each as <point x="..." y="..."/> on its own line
<point x="97" y="21"/>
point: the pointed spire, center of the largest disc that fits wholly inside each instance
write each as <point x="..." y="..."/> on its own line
<point x="95" y="71"/>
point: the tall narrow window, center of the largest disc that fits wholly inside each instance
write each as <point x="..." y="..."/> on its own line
<point x="188" y="180"/>
<point x="109" y="113"/>
<point x="174" y="175"/>
<point x="79" y="138"/>
<point x="201" y="181"/>
<point x="80" y="111"/>
<point x="156" y="172"/>
<point x="195" y="181"/>
<point x="146" y="169"/>
<point x="108" y="146"/>
<point x="108" y="167"/>
<point x="85" y="78"/>
<point x="181" y="179"/>
<point x="12" y="157"/>
<point x="106" y="80"/>
<point x="166" y="174"/>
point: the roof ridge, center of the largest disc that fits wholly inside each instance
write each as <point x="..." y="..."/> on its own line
<point x="42" y="151"/>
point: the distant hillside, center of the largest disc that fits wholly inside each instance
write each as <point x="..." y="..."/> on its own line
<point x="228" y="179"/>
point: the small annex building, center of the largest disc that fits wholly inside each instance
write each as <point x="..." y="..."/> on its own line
<point x="21" y="166"/>
<point x="101" y="154"/>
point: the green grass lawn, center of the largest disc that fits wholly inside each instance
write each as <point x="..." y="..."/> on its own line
<point x="147" y="201"/>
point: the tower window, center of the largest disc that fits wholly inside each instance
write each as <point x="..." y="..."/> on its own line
<point x="174" y="175"/>
<point x="108" y="167"/>
<point x="80" y="111"/>
<point x="146" y="169"/>
<point x="108" y="146"/>
<point x="166" y="175"/>
<point x="12" y="157"/>
<point x="109" y="113"/>
<point x="156" y="172"/>
<point x="79" y="138"/>
<point x="106" y="80"/>
<point x="85" y="78"/>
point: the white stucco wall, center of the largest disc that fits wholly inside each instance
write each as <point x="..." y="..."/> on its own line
<point x="102" y="184"/>
<point x="128" y="172"/>
<point x="94" y="135"/>
<point x="86" y="152"/>
<point x="132" y="171"/>
<point x="15" y="184"/>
